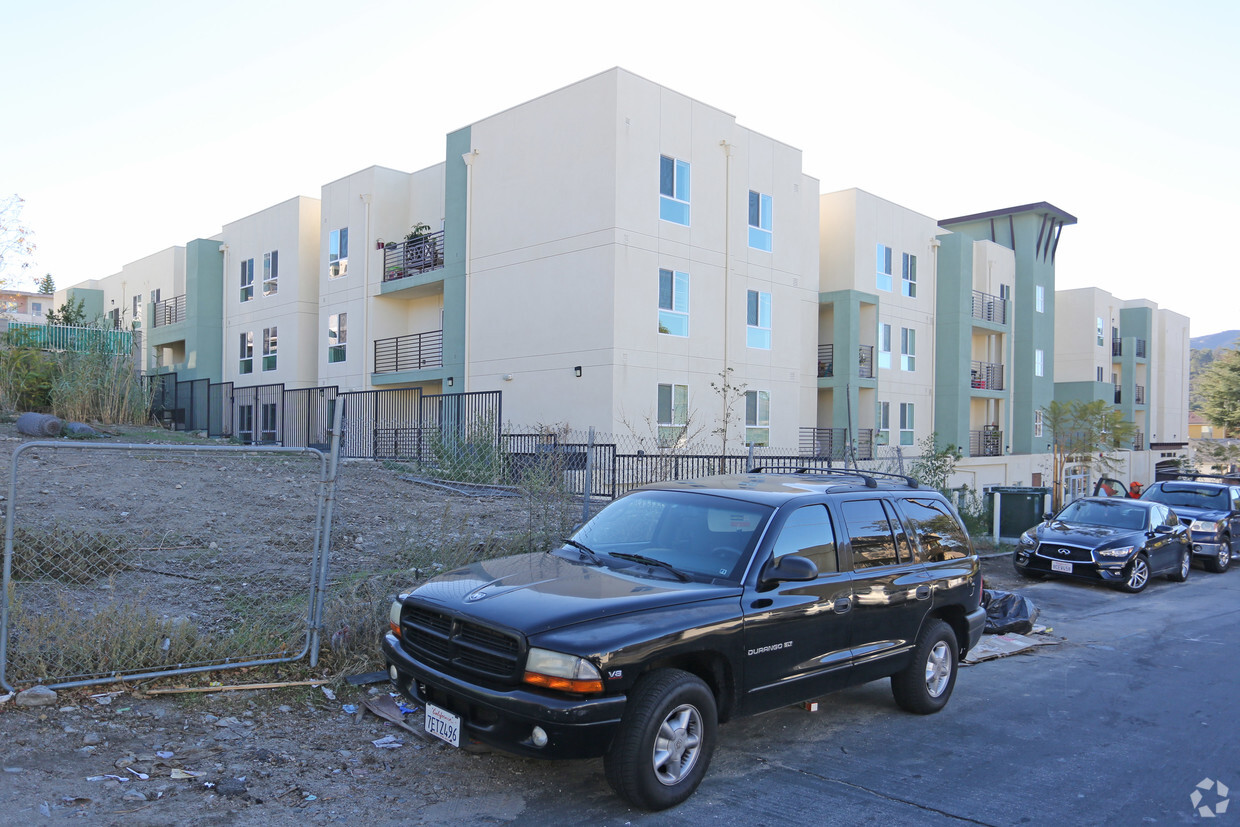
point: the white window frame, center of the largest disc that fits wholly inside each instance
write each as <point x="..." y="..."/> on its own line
<point x="908" y="349"/>
<point x="1037" y="423"/>
<point x="908" y="276"/>
<point x="271" y="273"/>
<point x="245" y="357"/>
<point x="674" y="317"/>
<point x="270" y="341"/>
<point x="907" y="423"/>
<point x="338" y="253"/>
<point x="883" y="267"/>
<point x="1101" y="333"/>
<point x="671" y="412"/>
<point x="675" y="179"/>
<point x="1039" y="298"/>
<point x="247" y="280"/>
<point x="337" y="338"/>
<point x="758" y="320"/>
<point x="1039" y="362"/>
<point x="760" y="209"/>
<point x="884" y="345"/>
<point x="882" y="422"/>
<point x="758" y="418"/>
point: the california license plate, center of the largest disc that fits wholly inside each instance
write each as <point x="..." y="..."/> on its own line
<point x="443" y="725"/>
<point x="1059" y="565"/>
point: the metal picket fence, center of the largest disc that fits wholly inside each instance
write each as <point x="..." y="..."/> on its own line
<point x="186" y="558"/>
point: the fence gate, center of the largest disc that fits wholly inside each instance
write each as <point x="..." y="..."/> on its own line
<point x="126" y="561"/>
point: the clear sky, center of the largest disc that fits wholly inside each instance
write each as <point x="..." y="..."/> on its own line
<point x="136" y="126"/>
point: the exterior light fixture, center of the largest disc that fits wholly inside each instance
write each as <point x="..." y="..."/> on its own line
<point x="449" y="381"/>
<point x="577" y="371"/>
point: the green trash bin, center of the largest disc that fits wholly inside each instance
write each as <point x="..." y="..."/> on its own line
<point x="1019" y="507"/>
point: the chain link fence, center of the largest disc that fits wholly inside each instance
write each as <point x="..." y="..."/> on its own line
<point x="144" y="560"/>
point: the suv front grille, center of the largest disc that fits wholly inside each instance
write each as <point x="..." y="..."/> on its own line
<point x="448" y="642"/>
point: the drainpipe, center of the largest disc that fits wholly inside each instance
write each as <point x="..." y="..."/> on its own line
<point x="366" y="337"/>
<point x="727" y="271"/>
<point x="468" y="158"/>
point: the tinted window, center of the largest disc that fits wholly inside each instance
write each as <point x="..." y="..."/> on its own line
<point x="869" y="532"/>
<point x="1113" y="514"/>
<point x="936" y="530"/>
<point x="808" y="533"/>
<point x="1188" y="495"/>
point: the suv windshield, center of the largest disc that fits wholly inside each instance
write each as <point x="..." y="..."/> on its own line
<point x="1193" y="496"/>
<point x="698" y="534"/>
<point x="1112" y="515"/>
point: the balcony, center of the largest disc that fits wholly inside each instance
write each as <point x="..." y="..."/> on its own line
<point x="987" y="442"/>
<point x="416" y="351"/>
<point x="1118" y="395"/>
<point x="1139" y="395"/>
<point x="1117" y="348"/>
<point x="1138" y="441"/>
<point x="1140" y="348"/>
<point x="412" y="257"/>
<point x="169" y="311"/>
<point x="865" y="361"/>
<point x="826" y="361"/>
<point x="989" y="308"/>
<point x="832" y="443"/>
<point x="986" y="376"/>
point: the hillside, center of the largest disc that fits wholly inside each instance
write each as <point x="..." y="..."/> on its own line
<point x="1213" y="341"/>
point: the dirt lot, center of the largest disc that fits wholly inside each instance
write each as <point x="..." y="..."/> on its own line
<point x="115" y="755"/>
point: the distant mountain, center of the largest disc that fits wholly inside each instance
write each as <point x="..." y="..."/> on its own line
<point x="1228" y="338"/>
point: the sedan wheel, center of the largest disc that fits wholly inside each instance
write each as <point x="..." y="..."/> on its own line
<point x="1181" y="572"/>
<point x="1138" y="574"/>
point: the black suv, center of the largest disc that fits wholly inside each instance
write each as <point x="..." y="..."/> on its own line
<point x="683" y="604"/>
<point x="1209" y="504"/>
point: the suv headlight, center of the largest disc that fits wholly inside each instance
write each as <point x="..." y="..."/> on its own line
<point x="1210" y="526"/>
<point x="394" y="615"/>
<point x="567" y="673"/>
<point x="1116" y="552"/>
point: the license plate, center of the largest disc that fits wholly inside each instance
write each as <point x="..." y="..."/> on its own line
<point x="443" y="725"/>
<point x="1059" y="565"/>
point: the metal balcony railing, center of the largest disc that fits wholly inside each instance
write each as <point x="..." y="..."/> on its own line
<point x="826" y="361"/>
<point x="989" y="308"/>
<point x="1138" y="441"/>
<point x="1139" y="395"/>
<point x="987" y="442"/>
<point x="1117" y="347"/>
<point x="413" y="352"/>
<point x="833" y="443"/>
<point x="169" y="311"/>
<point x="1140" y="348"/>
<point x="865" y="361"/>
<point x="986" y="376"/>
<point x="1118" y="395"/>
<point x="409" y="258"/>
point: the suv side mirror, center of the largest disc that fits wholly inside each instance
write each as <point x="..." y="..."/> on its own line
<point x="791" y="567"/>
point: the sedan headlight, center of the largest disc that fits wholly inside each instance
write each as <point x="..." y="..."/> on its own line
<point x="1116" y="552"/>
<point x="567" y="673"/>
<point x="1027" y="539"/>
<point x="1212" y="527"/>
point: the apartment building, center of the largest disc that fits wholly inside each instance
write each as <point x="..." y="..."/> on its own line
<point x="22" y="306"/>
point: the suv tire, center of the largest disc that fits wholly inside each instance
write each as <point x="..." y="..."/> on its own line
<point x="665" y="742"/>
<point x="1220" y="562"/>
<point x="927" y="682"/>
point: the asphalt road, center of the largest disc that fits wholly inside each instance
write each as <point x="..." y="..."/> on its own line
<point x="1116" y="726"/>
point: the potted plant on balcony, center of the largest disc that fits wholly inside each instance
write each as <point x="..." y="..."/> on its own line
<point x="417" y="231"/>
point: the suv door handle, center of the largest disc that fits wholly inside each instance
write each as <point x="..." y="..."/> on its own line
<point x="842" y="605"/>
<point x="923" y="592"/>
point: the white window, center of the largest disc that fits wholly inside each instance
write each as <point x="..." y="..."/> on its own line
<point x="1037" y="362"/>
<point x="906" y="423"/>
<point x="673" y="302"/>
<point x="883" y="422"/>
<point x="673" y="413"/>
<point x="908" y="348"/>
<point x="269" y="348"/>
<point x="271" y="273"/>
<point x="884" y="267"/>
<point x="137" y="306"/>
<point x="674" y="190"/>
<point x="1101" y="378"/>
<point x="247" y="279"/>
<point x="759" y="221"/>
<point x="268" y="423"/>
<point x="1039" y="298"/>
<point x="758" y="320"/>
<point x="908" y="277"/>
<point x="36" y="308"/>
<point x="757" y="417"/>
<point x="1037" y="423"/>
<point x="246" y="356"/>
<point x="338" y="253"/>
<point x="1101" y="340"/>
<point x="884" y="345"/>
<point x="337" y="337"/>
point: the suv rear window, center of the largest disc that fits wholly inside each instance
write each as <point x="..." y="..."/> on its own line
<point x="938" y="534"/>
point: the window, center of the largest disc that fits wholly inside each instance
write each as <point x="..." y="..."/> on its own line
<point x="245" y="423"/>
<point x="673" y="414"/>
<point x="154" y="296"/>
<point x="884" y="345"/>
<point x="758" y="319"/>
<point x="939" y="536"/>
<point x="269" y="348"/>
<point x="337" y="336"/>
<point x="36" y="308"/>
<point x="882" y="422"/>
<point x="884" y="267"/>
<point x="268" y="413"/>
<point x="674" y="190"/>
<point x="808" y="533"/>
<point x="1101" y="377"/>
<point x="247" y="279"/>
<point x="1039" y="298"/>
<point x="137" y="305"/>
<point x="908" y="349"/>
<point x="1037" y="423"/>
<point x="271" y="273"/>
<point x="338" y="253"/>
<point x="908" y="279"/>
<point x="114" y="315"/>
<point x="246" y="363"/>
<point x="869" y="533"/>
<point x="673" y="303"/>
<point x="757" y="417"/>
<point x="1037" y="362"/>
<point x="1101" y="341"/>
<point x="759" y="221"/>
<point x="906" y="423"/>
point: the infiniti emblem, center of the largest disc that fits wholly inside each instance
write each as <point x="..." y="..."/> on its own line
<point x="1066" y="552"/>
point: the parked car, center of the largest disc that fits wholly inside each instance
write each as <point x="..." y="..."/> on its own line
<point x="1209" y="504"/>
<point x="1119" y="541"/>
<point x="684" y="604"/>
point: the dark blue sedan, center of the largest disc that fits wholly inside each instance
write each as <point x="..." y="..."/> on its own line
<point x="1121" y="542"/>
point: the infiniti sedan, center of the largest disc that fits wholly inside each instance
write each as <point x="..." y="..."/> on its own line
<point x="1120" y="542"/>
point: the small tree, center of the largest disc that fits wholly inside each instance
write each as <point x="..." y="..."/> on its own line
<point x="1087" y="433"/>
<point x="935" y="465"/>
<point x="1219" y="455"/>
<point x="730" y="393"/>
<point x="47" y="285"/>
<point x="1220" y="391"/>
<point x="71" y="314"/>
<point x="16" y="246"/>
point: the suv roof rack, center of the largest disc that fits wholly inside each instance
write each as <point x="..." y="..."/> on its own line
<point x="867" y="476"/>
